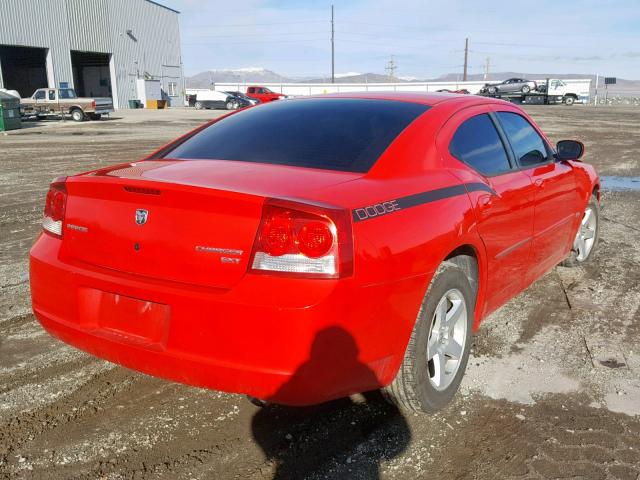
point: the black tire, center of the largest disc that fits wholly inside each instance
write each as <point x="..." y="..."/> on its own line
<point x="569" y="100"/>
<point x="492" y="90"/>
<point x="77" y="115"/>
<point x="199" y="106"/>
<point x="574" y="260"/>
<point x="411" y="389"/>
<point x="231" y="106"/>
<point x="526" y="89"/>
<point x="95" y="116"/>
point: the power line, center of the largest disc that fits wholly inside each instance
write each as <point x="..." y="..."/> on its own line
<point x="299" y="22"/>
<point x="242" y="35"/>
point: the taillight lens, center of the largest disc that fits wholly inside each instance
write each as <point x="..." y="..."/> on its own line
<point x="54" y="208"/>
<point x="93" y="104"/>
<point x="302" y="239"/>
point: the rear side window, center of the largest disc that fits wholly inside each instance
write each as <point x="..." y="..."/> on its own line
<point x="528" y="146"/>
<point x="332" y="133"/>
<point x="477" y="143"/>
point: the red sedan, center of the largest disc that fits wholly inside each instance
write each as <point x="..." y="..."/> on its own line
<point x="306" y="250"/>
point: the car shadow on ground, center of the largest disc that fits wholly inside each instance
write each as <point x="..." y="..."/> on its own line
<point x="344" y="438"/>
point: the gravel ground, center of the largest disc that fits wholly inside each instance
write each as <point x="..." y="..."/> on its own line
<point x="552" y="389"/>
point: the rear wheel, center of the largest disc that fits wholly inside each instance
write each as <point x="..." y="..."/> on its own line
<point x="77" y="115"/>
<point x="569" y="100"/>
<point x="586" y="241"/>
<point x="438" y="350"/>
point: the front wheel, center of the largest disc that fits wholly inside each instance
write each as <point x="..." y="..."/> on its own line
<point x="199" y="106"/>
<point x="438" y="350"/>
<point x="492" y="90"/>
<point x="584" y="245"/>
<point x="231" y="106"/>
<point x="526" y="89"/>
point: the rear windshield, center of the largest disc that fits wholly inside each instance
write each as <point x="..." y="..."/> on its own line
<point x="331" y="133"/>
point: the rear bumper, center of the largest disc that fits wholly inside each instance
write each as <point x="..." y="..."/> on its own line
<point x="291" y="341"/>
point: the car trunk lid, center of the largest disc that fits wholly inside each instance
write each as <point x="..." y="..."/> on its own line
<point x="184" y="225"/>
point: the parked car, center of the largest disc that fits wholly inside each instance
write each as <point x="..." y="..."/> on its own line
<point x="461" y="90"/>
<point x="215" y="99"/>
<point x="338" y="244"/>
<point x="64" y="101"/>
<point x="242" y="100"/>
<point x="263" y="94"/>
<point x="512" y="85"/>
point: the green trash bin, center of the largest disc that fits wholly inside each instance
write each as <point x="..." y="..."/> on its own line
<point x="9" y="112"/>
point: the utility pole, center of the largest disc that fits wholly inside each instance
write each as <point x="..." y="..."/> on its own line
<point x="333" y="61"/>
<point x="391" y="66"/>
<point x="466" y="59"/>
<point x="486" y="68"/>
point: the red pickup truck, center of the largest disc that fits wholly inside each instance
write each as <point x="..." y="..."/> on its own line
<point x="263" y="94"/>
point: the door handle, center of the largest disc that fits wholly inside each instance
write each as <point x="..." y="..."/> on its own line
<point x="539" y="183"/>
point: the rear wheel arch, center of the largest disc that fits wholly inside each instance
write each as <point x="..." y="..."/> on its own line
<point x="466" y="257"/>
<point x="473" y="260"/>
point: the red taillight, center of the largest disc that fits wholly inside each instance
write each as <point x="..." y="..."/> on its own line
<point x="303" y="240"/>
<point x="315" y="239"/>
<point x="93" y="104"/>
<point x="54" y="208"/>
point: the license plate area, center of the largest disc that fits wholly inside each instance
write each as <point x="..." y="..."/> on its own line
<point x="140" y="321"/>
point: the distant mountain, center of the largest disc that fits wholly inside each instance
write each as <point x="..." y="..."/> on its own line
<point x="240" y="75"/>
<point x="358" y="78"/>
<point x="262" y="75"/>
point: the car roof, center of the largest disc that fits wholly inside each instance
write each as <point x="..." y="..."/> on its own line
<point x="431" y="99"/>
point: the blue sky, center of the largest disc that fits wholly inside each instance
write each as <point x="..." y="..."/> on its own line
<point x="426" y="37"/>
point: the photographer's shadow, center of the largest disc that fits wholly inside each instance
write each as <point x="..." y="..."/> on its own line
<point x="337" y="439"/>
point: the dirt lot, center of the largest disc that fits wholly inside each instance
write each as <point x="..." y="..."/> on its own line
<point x="552" y="389"/>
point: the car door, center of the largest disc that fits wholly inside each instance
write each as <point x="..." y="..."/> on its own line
<point x="508" y="85"/>
<point x="52" y="101"/>
<point x="39" y="98"/>
<point x="556" y="197"/>
<point x="504" y="205"/>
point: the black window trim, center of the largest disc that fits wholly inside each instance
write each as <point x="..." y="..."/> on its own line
<point x="505" y="146"/>
<point x="516" y="165"/>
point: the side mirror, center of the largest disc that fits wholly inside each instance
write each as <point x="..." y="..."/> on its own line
<point x="569" y="150"/>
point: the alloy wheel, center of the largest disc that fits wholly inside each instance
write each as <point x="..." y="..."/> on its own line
<point x="447" y="338"/>
<point x="586" y="236"/>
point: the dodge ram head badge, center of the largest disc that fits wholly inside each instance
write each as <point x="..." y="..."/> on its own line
<point x="141" y="216"/>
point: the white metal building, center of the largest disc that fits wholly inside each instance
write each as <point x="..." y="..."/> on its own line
<point x="98" y="47"/>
